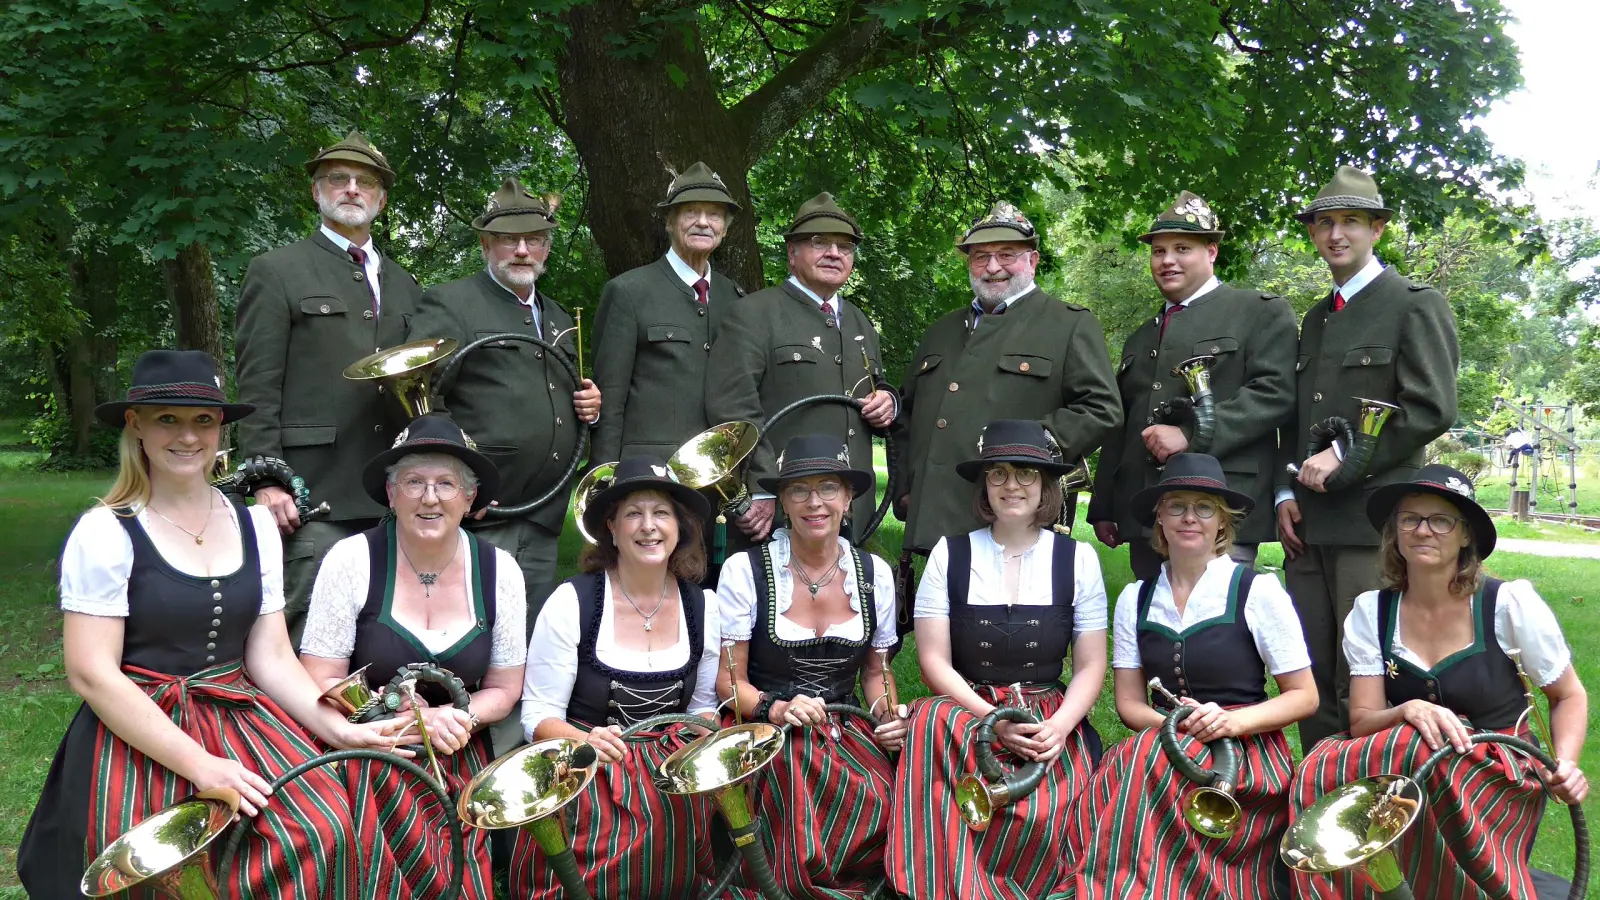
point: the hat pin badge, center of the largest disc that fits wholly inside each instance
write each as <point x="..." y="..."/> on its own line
<point x="1459" y="486"/>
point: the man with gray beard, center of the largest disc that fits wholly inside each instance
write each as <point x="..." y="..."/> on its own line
<point x="518" y="405"/>
<point x="305" y="312"/>
<point x="1014" y="352"/>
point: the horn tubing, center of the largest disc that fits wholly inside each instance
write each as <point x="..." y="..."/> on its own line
<point x="446" y="379"/>
<point x="656" y="723"/>
<point x="458" y="839"/>
<point x="1225" y="753"/>
<point x="558" y="855"/>
<point x="888" y="450"/>
<point x="748" y="839"/>
<point x="1016" y="784"/>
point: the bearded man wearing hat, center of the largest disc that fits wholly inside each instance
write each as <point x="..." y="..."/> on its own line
<point x="306" y="311"/>
<point x="1014" y="353"/>
<point x="1376" y="335"/>
<point x="1249" y="337"/>
<point x="796" y="340"/>
<point x="653" y="334"/>
<point x="521" y="409"/>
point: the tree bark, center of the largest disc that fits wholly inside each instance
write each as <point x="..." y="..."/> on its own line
<point x="192" y="290"/>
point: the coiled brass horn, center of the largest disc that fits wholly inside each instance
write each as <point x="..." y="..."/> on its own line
<point x="1210" y="808"/>
<point x="528" y="788"/>
<point x="593" y="482"/>
<point x="1359" y="440"/>
<point x="978" y="798"/>
<point x="1199" y="408"/>
<point x="405" y="372"/>
<point x="166" y="852"/>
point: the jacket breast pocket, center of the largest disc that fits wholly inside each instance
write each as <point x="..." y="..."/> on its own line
<point x="667" y="334"/>
<point x="799" y="355"/>
<point x="308" y="435"/>
<point x="1026" y="364"/>
<point x="926" y="364"/>
<point x="1367" y="357"/>
<point x="322" y="306"/>
<point x="1214" y="346"/>
<point x="496" y="345"/>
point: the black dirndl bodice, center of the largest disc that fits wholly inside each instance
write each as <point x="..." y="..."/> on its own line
<point x="1213" y="661"/>
<point x="387" y="646"/>
<point x="603" y="695"/>
<point x="1010" y="644"/>
<point x="1479" y="682"/>
<point x="823" y="667"/>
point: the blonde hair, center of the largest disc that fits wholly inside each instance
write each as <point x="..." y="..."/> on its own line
<point x="1469" y="568"/>
<point x="1225" y="529"/>
<point x="131" y="491"/>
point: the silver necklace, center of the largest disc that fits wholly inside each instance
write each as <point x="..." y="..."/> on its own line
<point x="647" y="616"/>
<point x="428" y="579"/>
<point x="199" y="536"/>
<point x="819" y="584"/>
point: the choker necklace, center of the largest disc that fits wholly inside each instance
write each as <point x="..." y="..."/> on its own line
<point x="199" y="536"/>
<point x="429" y="578"/>
<point x="647" y="616"/>
<point x="820" y="583"/>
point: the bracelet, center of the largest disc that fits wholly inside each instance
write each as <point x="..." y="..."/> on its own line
<point x="763" y="710"/>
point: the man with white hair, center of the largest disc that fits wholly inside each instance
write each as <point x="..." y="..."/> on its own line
<point x="306" y="311"/>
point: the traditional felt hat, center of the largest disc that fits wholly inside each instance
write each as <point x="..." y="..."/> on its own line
<point x="817" y="454"/>
<point x="1004" y="223"/>
<point x="432" y="433"/>
<point x="1188" y="214"/>
<point x="512" y="210"/>
<point x="821" y="215"/>
<point x="1021" y="442"/>
<point x="641" y="473"/>
<point x="173" y="378"/>
<point x="1188" y="472"/>
<point x="1350" y="188"/>
<point x="698" y="184"/>
<point x="1441" y="481"/>
<point x="357" y="149"/>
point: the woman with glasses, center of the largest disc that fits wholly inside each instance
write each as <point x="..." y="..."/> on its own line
<point x="420" y="589"/>
<point x="1211" y="630"/>
<point x="1433" y="657"/>
<point x="807" y="615"/>
<point x="997" y="612"/>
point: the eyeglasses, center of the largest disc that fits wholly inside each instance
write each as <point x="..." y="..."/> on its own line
<point x="339" y="179"/>
<point x="998" y="475"/>
<point x="800" y="493"/>
<point x="510" y="241"/>
<point x="1177" y="509"/>
<point x="844" y="246"/>
<point x="1438" y="523"/>
<point x="1004" y="258"/>
<point x="415" y="487"/>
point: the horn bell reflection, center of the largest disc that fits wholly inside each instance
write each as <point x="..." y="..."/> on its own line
<point x="593" y="482"/>
<point x="1355" y="826"/>
<point x="166" y="853"/>
<point x="711" y="460"/>
<point x="405" y="371"/>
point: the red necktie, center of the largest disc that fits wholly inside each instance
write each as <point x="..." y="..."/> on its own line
<point x="1338" y="300"/>
<point x="360" y="257"/>
<point x="1166" y="317"/>
<point x="827" y="307"/>
<point x="702" y="289"/>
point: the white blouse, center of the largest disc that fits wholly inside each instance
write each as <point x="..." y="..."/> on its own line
<point x="1268" y="613"/>
<point x="98" y="559"/>
<point x="986" y="584"/>
<point x="341" y="592"/>
<point x="1521" y="619"/>
<point x="553" y="655"/>
<point x="737" y="588"/>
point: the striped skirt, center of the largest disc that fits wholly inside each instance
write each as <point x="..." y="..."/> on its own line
<point x="303" y="845"/>
<point x="631" y="841"/>
<point x="1128" y="837"/>
<point x="933" y="854"/>
<point x="1474" y="834"/>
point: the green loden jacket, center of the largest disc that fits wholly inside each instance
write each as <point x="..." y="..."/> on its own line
<point x="773" y="348"/>
<point x="304" y="315"/>
<point x="1043" y="359"/>
<point x="1252" y="336"/>
<point x="652" y="343"/>
<point x="1394" y="341"/>
<point x="512" y="400"/>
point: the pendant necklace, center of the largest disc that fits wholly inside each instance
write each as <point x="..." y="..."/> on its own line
<point x="199" y="536"/>
<point x="428" y="578"/>
<point x="820" y="583"/>
<point x="647" y="616"/>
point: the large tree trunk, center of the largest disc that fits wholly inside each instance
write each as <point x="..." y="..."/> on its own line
<point x="89" y="353"/>
<point x="630" y="116"/>
<point x="193" y="293"/>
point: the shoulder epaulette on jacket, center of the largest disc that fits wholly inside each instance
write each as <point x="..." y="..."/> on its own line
<point x="1269" y="296"/>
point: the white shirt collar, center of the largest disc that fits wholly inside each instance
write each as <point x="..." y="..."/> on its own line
<point x="817" y="298"/>
<point x="1350" y="289"/>
<point x="343" y="243"/>
<point x="1005" y="303"/>
<point x="531" y="294"/>
<point x="684" y="270"/>
<point x="1211" y="284"/>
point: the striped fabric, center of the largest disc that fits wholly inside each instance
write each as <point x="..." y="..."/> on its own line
<point x="1473" y="837"/>
<point x="416" y="841"/>
<point x="1128" y="837"/>
<point x="301" y="846"/>
<point x="933" y="854"/>
<point x="825" y="803"/>
<point x="631" y="840"/>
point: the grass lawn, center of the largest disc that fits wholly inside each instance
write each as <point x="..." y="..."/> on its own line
<point x="1536" y="530"/>
<point x="37" y="510"/>
<point x="1493" y="491"/>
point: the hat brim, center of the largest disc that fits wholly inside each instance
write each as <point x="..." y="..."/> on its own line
<point x="996" y="234"/>
<point x="1208" y="236"/>
<point x="825" y="224"/>
<point x="1144" y="502"/>
<point x="600" y="506"/>
<point x="513" y="223"/>
<point x="374" y="478"/>
<point x="700" y="195"/>
<point x="385" y="174"/>
<point x="860" y="481"/>
<point x="1381" y="505"/>
<point x="972" y="469"/>
<point x="113" y="413"/>
<point x="1357" y="203"/>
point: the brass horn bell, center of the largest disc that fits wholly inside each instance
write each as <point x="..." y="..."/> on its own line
<point x="528" y="788"/>
<point x="593" y="482"/>
<point x="710" y="461"/>
<point x="405" y="371"/>
<point x="1355" y="826"/>
<point x="166" y="853"/>
<point x="719" y="764"/>
<point x="352" y="695"/>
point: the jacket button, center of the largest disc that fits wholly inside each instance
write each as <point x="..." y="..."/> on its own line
<point x="1156" y="386"/>
<point x="211" y="646"/>
<point x="1433" y="697"/>
<point x="212" y="635"/>
<point x="1366" y="360"/>
<point x="215" y="584"/>
<point x="1177" y="670"/>
<point x="216" y="610"/>
<point x="1032" y="644"/>
<point x="356" y="275"/>
<point x="1023" y="367"/>
<point x="985" y="644"/>
<point x="528" y="321"/>
<point x="552" y="385"/>
<point x="838" y="360"/>
<point x="706" y="346"/>
<point x="1176" y="645"/>
<point x="216" y="623"/>
<point x="558" y="420"/>
<point x="850" y="432"/>
<point x="555" y="456"/>
<point x="701" y="310"/>
<point x="1027" y="665"/>
<point x="210" y="659"/>
<point x="954" y="387"/>
<point x="1153" y="354"/>
<point x="217" y="596"/>
<point x="538" y="354"/>
<point x="377" y="429"/>
<point x="325" y="309"/>
<point x="797" y="357"/>
<point x="924" y="366"/>
<point x="986" y="664"/>
<point x="1317" y="397"/>
<point x="940" y="423"/>
<point x="366" y="314"/>
<point x="1181" y="680"/>
<point x="1177" y="657"/>
<point x="1215" y="348"/>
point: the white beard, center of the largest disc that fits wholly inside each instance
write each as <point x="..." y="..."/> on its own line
<point x="345" y="214"/>
<point x="518" y="276"/>
<point x="995" y="291"/>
